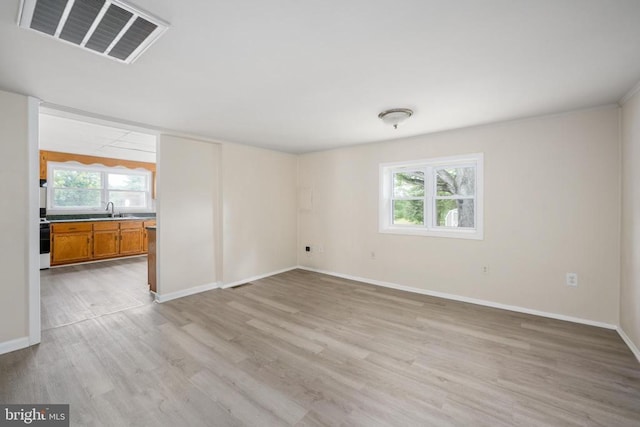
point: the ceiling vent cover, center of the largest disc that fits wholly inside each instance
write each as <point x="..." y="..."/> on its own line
<point x="109" y="28"/>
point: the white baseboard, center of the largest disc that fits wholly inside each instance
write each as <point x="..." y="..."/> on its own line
<point x="13" y="345"/>
<point x="634" y="349"/>
<point x="186" y="292"/>
<point x="216" y="285"/>
<point x="465" y="299"/>
<point x="261" y="276"/>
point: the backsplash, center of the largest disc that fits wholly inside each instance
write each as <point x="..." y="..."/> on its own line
<point x="95" y="215"/>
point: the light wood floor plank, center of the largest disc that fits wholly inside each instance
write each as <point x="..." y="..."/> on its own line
<point x="305" y="349"/>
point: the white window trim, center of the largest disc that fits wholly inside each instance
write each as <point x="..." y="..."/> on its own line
<point x="385" y="211"/>
<point x="104" y="170"/>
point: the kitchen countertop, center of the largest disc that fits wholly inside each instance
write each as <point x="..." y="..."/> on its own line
<point x="126" y="218"/>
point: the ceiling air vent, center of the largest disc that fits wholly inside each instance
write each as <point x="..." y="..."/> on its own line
<point x="109" y="28"/>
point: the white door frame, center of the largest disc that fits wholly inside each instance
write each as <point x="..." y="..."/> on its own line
<point x="33" y="244"/>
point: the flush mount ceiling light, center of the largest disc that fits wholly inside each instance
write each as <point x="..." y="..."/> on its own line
<point x="109" y="28"/>
<point x="395" y="116"/>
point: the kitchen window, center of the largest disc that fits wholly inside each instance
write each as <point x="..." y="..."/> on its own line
<point x="80" y="188"/>
<point x="433" y="197"/>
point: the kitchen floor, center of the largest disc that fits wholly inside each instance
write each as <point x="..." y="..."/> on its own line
<point x="79" y="292"/>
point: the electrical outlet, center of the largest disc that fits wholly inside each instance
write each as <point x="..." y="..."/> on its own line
<point x="484" y="269"/>
<point x="307" y="248"/>
<point x="320" y="249"/>
<point x="572" y="279"/>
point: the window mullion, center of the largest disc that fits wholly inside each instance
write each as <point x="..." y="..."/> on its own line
<point x="455" y="197"/>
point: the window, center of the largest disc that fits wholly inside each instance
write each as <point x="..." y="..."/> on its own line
<point x="90" y="188"/>
<point x="433" y="197"/>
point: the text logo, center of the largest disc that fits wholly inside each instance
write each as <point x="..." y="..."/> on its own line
<point x="34" y="415"/>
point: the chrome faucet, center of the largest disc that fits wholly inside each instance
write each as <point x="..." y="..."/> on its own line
<point x="113" y="208"/>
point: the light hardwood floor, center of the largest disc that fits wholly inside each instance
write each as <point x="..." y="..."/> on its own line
<point x="74" y="293"/>
<point x="307" y="349"/>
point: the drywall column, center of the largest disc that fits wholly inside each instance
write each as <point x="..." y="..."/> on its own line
<point x="187" y="212"/>
<point x="630" y="265"/>
<point x="259" y="212"/>
<point x="18" y="261"/>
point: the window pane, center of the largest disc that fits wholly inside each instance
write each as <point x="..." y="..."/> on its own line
<point x="455" y="213"/>
<point x="64" y="178"/>
<point x="119" y="181"/>
<point x="408" y="212"/>
<point x="408" y="184"/>
<point x="128" y="199"/>
<point x="456" y="181"/>
<point x="72" y="198"/>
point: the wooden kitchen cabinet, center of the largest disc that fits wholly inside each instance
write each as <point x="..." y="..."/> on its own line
<point x="71" y="243"/>
<point x="85" y="241"/>
<point x="145" y="235"/>
<point x="106" y="240"/>
<point x="131" y="237"/>
<point x="151" y="259"/>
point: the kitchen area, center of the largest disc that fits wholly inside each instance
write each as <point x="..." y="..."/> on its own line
<point x="97" y="218"/>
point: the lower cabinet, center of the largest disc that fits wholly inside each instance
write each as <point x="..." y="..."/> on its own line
<point x="71" y="243"/>
<point x="86" y="241"/>
<point x="130" y="238"/>
<point x="146" y="233"/>
<point x="151" y="263"/>
<point x="106" y="240"/>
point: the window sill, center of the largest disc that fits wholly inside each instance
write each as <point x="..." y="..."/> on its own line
<point x="452" y="234"/>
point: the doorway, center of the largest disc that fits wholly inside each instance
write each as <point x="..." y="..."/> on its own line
<point x="98" y="182"/>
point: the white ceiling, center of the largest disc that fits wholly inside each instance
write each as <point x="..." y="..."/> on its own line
<point x="308" y="75"/>
<point x="72" y="136"/>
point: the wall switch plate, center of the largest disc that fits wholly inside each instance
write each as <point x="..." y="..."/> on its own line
<point x="572" y="279"/>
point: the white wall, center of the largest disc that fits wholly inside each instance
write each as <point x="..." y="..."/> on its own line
<point x="226" y="213"/>
<point x="187" y="212"/>
<point x="552" y="206"/>
<point x="14" y="218"/>
<point x="630" y="265"/>
<point x="259" y="212"/>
